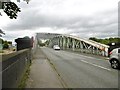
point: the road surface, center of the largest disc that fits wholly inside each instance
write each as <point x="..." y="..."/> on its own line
<point x="80" y="71"/>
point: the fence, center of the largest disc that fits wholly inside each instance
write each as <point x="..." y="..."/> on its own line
<point x="13" y="67"/>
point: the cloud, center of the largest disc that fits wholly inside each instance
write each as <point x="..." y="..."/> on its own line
<point x="78" y="17"/>
<point x="32" y="21"/>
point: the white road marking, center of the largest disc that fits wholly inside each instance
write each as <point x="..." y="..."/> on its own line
<point x="96" y="65"/>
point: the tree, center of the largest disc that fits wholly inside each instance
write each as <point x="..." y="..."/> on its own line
<point x="1" y="32"/>
<point x="9" y="42"/>
<point x="5" y="45"/>
<point x="1" y="41"/>
<point x="93" y="38"/>
<point x="106" y="41"/>
<point x="10" y="8"/>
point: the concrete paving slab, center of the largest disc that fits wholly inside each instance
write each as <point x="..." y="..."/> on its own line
<point x="42" y="74"/>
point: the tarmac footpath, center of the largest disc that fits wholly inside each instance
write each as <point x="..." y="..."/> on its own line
<point x="42" y="75"/>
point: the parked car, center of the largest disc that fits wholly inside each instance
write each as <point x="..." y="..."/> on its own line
<point x="115" y="58"/>
<point x="56" y="47"/>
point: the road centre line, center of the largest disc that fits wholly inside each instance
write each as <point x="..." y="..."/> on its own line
<point x="96" y="65"/>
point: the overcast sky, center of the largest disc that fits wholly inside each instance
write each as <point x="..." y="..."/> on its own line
<point x="83" y="18"/>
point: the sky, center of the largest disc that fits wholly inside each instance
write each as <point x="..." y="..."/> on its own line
<point x="82" y="18"/>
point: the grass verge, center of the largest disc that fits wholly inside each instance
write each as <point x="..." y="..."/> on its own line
<point x="22" y="83"/>
<point x="1" y="51"/>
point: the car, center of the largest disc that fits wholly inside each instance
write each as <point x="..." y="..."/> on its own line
<point x="56" y="47"/>
<point x="115" y="58"/>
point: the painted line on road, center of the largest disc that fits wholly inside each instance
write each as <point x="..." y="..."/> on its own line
<point x="96" y="65"/>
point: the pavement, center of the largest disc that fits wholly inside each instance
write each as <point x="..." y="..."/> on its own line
<point x="42" y="75"/>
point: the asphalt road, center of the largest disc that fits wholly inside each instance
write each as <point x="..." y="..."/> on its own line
<point x="81" y="71"/>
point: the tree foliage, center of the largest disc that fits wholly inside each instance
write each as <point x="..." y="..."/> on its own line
<point x="11" y="9"/>
<point x="1" y="32"/>
<point x="5" y="43"/>
<point x="1" y="41"/>
<point x="106" y="41"/>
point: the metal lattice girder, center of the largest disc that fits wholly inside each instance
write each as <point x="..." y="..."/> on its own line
<point x="93" y="43"/>
<point x="77" y="43"/>
<point x="89" y="47"/>
<point x="85" y="45"/>
<point x="89" y="44"/>
<point x="73" y="42"/>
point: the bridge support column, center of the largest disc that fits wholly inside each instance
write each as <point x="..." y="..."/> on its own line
<point x="73" y="44"/>
<point x="61" y="44"/>
<point x="58" y="41"/>
<point x="68" y="42"/>
<point x="103" y="53"/>
<point x="97" y="51"/>
<point x="77" y="44"/>
<point x="93" y="50"/>
<point x="81" y="47"/>
<point x="64" y="42"/>
<point x="106" y="51"/>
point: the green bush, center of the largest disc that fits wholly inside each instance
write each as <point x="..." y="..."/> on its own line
<point x="5" y="45"/>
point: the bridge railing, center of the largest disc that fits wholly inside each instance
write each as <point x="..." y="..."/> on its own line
<point x="87" y="51"/>
<point x="14" y="66"/>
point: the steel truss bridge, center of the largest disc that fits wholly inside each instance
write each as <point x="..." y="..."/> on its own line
<point x="69" y="42"/>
